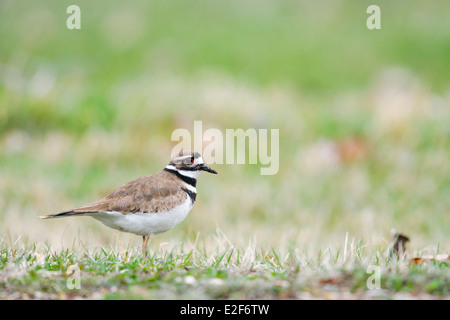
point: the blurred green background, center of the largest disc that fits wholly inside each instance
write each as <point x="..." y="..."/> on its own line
<point x="364" y="115"/>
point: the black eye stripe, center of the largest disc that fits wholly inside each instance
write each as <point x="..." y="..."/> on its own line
<point x="188" y="180"/>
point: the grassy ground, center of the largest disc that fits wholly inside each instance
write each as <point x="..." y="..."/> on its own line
<point x="185" y="271"/>
<point x="364" y="146"/>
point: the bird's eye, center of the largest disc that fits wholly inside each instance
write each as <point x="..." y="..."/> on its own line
<point x="189" y="160"/>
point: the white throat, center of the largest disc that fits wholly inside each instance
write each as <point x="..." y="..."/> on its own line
<point x="186" y="173"/>
<point x="190" y="174"/>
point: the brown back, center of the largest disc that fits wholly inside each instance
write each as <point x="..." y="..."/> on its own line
<point x="158" y="192"/>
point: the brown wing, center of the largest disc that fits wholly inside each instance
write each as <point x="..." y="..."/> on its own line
<point x="144" y="194"/>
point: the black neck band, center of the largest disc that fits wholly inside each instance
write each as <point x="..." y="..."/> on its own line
<point x="188" y="180"/>
<point x="191" y="194"/>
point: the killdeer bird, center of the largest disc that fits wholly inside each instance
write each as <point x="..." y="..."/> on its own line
<point x="151" y="204"/>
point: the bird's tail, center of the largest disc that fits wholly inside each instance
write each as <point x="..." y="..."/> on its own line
<point x="63" y="214"/>
<point x="92" y="208"/>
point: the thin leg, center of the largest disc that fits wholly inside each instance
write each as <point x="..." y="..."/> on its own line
<point x="144" y="245"/>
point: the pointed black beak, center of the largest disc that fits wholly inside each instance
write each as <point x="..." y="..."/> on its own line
<point x="208" y="169"/>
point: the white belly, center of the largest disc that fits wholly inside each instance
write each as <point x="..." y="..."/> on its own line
<point x="145" y="223"/>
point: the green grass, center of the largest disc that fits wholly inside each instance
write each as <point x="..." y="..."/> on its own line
<point x="320" y="49"/>
<point x="35" y="271"/>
